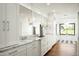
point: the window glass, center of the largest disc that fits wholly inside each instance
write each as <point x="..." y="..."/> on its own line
<point x="67" y="29"/>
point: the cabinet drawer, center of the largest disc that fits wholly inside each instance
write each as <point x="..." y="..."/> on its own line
<point x="15" y="51"/>
<point x="33" y="49"/>
<point x="43" y="42"/>
<point x="36" y="43"/>
<point x="11" y="52"/>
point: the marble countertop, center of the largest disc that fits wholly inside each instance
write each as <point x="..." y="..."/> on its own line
<point x="21" y="43"/>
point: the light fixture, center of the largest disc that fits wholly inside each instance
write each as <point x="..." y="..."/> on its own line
<point x="53" y="10"/>
<point x="39" y="13"/>
<point x="48" y="4"/>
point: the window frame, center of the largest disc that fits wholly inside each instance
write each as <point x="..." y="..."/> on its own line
<point x="64" y="24"/>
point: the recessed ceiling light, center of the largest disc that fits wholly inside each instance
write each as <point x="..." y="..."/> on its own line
<point x="53" y="10"/>
<point x="39" y="12"/>
<point x="65" y="15"/>
<point x="48" y="4"/>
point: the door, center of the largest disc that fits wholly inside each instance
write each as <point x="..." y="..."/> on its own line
<point x="2" y="26"/>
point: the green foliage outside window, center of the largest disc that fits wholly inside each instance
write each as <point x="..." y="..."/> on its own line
<point x="67" y="29"/>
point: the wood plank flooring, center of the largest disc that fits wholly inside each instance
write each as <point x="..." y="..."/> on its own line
<point x="63" y="49"/>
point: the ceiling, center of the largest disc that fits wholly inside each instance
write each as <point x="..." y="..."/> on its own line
<point x="64" y="9"/>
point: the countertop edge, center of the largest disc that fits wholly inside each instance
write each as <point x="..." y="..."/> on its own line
<point x="15" y="46"/>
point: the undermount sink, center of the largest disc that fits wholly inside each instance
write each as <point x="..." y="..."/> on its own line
<point x="28" y="37"/>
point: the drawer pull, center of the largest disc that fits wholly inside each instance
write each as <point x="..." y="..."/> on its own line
<point x="8" y="26"/>
<point x="4" y="25"/>
<point x="13" y="52"/>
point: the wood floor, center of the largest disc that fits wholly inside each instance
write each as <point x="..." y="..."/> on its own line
<point x="63" y="49"/>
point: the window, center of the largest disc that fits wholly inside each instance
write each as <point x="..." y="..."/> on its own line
<point x="67" y="29"/>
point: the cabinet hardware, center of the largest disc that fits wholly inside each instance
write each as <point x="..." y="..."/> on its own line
<point x="3" y="25"/>
<point x="13" y="52"/>
<point x="7" y="25"/>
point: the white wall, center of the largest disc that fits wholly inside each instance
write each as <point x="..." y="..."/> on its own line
<point x="71" y="18"/>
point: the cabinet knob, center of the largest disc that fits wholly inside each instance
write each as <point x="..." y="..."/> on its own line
<point x="3" y="25"/>
<point x="8" y="26"/>
<point x="13" y="52"/>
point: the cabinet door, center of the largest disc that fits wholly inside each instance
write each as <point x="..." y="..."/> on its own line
<point x="11" y="17"/>
<point x="44" y="46"/>
<point x="50" y="43"/>
<point x="29" y="49"/>
<point x="33" y="49"/>
<point x="2" y="26"/>
<point x="19" y="51"/>
<point x="36" y="48"/>
<point x="77" y="49"/>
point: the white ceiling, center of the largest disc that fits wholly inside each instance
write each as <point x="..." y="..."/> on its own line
<point x="56" y="8"/>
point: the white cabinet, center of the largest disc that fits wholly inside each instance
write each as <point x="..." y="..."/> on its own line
<point x="18" y="51"/>
<point x="44" y="45"/>
<point x="37" y="48"/>
<point x="78" y="49"/>
<point x="25" y="21"/>
<point x="21" y="51"/>
<point x="29" y="49"/>
<point x="33" y="48"/>
<point x="2" y="25"/>
<point x="11" y="17"/>
<point x="50" y="42"/>
<point x="8" y="17"/>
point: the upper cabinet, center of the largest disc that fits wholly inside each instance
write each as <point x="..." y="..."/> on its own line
<point x="26" y="20"/>
<point x="2" y="25"/>
<point x="11" y="23"/>
<point x="8" y="24"/>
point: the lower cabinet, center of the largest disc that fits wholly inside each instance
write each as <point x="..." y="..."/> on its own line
<point x="44" y="46"/>
<point x="33" y="49"/>
<point x="19" y="51"/>
<point x="77" y="49"/>
<point x="29" y="49"/>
